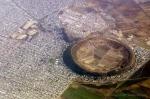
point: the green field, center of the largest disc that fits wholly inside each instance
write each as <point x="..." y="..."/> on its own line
<point x="129" y="90"/>
<point x="80" y="92"/>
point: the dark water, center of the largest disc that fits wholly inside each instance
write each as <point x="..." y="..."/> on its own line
<point x="73" y="66"/>
<point x="67" y="58"/>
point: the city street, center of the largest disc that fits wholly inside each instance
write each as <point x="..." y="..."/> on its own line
<point x="32" y="68"/>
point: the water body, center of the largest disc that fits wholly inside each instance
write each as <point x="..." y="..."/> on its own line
<point x="67" y="58"/>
